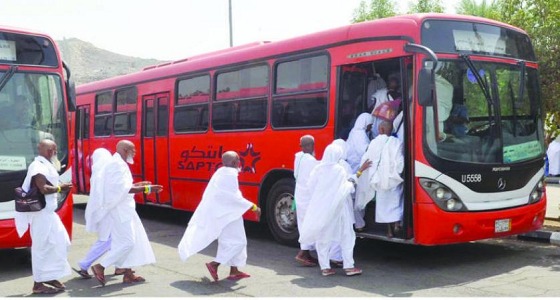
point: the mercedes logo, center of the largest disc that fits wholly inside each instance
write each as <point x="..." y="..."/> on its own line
<point x="501" y="184"/>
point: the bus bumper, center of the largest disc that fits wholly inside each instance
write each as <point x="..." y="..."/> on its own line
<point x="433" y="226"/>
<point x="9" y="238"/>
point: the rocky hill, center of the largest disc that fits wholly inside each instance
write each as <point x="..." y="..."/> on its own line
<point x="89" y="63"/>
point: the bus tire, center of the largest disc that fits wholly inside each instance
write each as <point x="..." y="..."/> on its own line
<point x="281" y="219"/>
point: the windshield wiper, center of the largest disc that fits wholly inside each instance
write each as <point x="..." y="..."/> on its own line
<point x="481" y="82"/>
<point x="7" y="77"/>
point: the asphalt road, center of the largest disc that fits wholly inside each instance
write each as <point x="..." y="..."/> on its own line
<point x="490" y="268"/>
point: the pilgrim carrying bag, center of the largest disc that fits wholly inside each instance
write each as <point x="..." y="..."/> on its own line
<point x="33" y="200"/>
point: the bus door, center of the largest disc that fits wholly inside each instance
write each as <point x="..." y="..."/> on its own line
<point x="361" y="88"/>
<point x="155" y="145"/>
<point x="82" y="161"/>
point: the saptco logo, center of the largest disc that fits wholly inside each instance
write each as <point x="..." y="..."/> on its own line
<point x="210" y="158"/>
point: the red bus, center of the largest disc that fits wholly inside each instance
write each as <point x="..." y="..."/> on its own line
<point x="34" y="104"/>
<point x="259" y="99"/>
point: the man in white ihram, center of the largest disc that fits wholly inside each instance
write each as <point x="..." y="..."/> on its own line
<point x="220" y="216"/>
<point x="49" y="239"/>
<point x="95" y="214"/>
<point x="304" y="162"/>
<point x="130" y="246"/>
<point x="383" y="179"/>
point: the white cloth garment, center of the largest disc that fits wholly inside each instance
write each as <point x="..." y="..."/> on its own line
<point x="218" y="216"/>
<point x="374" y="85"/>
<point x="49" y="239"/>
<point x="130" y="246"/>
<point x="553" y="154"/>
<point x="303" y="164"/>
<point x="327" y="220"/>
<point x="383" y="179"/>
<point x="95" y="212"/>
<point x="358" y="141"/>
<point x="336" y="249"/>
<point x="444" y="90"/>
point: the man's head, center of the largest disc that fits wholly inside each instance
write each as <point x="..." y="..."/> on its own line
<point x="385" y="127"/>
<point x="230" y="159"/>
<point x="47" y="149"/>
<point x="126" y="150"/>
<point x="394" y="82"/>
<point x="307" y="144"/>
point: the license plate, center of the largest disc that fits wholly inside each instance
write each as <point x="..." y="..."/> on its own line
<point x="503" y="225"/>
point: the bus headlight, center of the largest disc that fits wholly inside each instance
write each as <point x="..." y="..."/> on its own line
<point x="442" y="195"/>
<point x="61" y="198"/>
<point x="537" y="193"/>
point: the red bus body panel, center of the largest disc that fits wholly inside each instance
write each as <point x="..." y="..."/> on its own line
<point x="11" y="239"/>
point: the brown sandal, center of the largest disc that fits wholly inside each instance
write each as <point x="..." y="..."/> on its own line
<point x="98" y="274"/>
<point x="43" y="289"/>
<point x="56" y="284"/>
<point x="121" y="271"/>
<point x="129" y="277"/>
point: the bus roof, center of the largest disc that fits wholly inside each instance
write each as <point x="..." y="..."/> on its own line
<point x="22" y="30"/>
<point x="393" y="26"/>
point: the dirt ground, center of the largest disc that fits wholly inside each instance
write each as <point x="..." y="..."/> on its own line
<point x="551" y="225"/>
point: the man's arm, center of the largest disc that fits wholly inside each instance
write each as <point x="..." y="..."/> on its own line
<point x="42" y="183"/>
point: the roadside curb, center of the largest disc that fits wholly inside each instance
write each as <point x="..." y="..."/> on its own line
<point x="541" y="236"/>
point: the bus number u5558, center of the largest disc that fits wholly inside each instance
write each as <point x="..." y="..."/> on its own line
<point x="471" y="178"/>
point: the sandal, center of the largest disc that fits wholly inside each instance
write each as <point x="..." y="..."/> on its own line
<point x="121" y="271"/>
<point x="83" y="273"/>
<point x="213" y="271"/>
<point x="327" y="272"/>
<point x="43" y="289"/>
<point x="98" y="274"/>
<point x="353" y="271"/>
<point x="129" y="277"/>
<point x="306" y="262"/>
<point x="238" y="276"/>
<point x="56" y="284"/>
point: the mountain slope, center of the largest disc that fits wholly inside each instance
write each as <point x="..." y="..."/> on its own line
<point x="88" y="63"/>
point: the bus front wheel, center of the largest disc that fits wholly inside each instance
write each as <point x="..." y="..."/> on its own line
<point x="280" y="217"/>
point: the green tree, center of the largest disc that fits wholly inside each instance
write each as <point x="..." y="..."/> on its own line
<point x="541" y="20"/>
<point x="484" y="9"/>
<point x="376" y="9"/>
<point x="425" y="6"/>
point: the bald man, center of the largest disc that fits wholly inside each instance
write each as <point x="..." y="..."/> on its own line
<point x="49" y="238"/>
<point x="303" y="164"/>
<point x="220" y="216"/>
<point x="130" y="246"/>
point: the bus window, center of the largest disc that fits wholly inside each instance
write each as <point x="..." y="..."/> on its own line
<point x="103" y="114"/>
<point x="191" y="104"/>
<point x="125" y="115"/>
<point x="301" y="96"/>
<point x="241" y="99"/>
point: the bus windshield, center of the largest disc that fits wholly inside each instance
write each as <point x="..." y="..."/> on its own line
<point x="486" y="113"/>
<point x="31" y="109"/>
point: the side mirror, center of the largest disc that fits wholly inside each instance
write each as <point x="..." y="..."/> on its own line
<point x="71" y="92"/>
<point x="70" y="88"/>
<point x="425" y="88"/>
<point x="426" y="79"/>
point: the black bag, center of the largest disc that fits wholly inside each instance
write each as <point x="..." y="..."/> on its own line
<point x="33" y="200"/>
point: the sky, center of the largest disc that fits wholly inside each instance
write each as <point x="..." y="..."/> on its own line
<point x="176" y="29"/>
